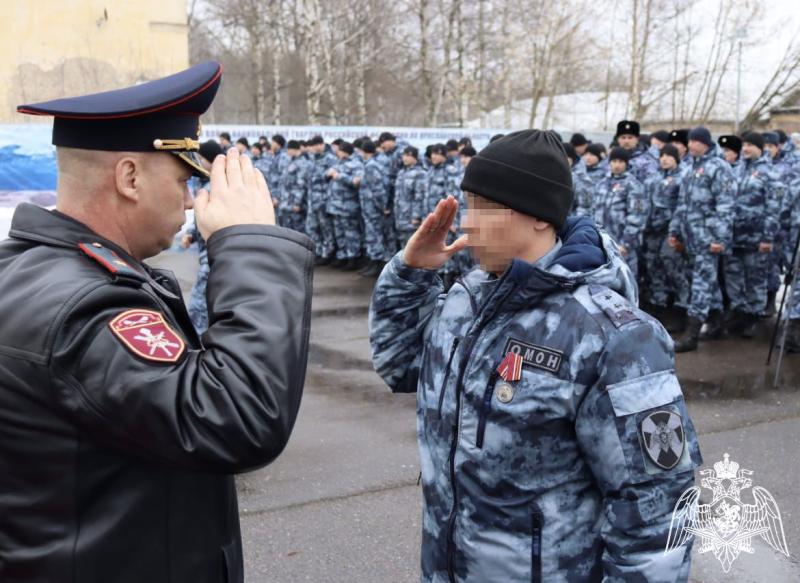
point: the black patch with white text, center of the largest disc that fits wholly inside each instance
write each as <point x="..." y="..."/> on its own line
<point x="536" y="356"/>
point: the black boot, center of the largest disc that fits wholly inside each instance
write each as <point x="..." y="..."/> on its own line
<point x="734" y="321"/>
<point x="749" y="324"/>
<point x="769" y="312"/>
<point x="688" y="341"/>
<point x="715" y="328"/>
<point x="351" y="264"/>
<point x="675" y="320"/>
<point x="373" y="269"/>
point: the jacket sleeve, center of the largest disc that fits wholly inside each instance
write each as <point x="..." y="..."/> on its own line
<point x="420" y="189"/>
<point x="227" y="408"/>
<point x="720" y="223"/>
<point x="636" y="380"/>
<point x="776" y="192"/>
<point x="637" y="212"/>
<point x="401" y="310"/>
<point x="677" y="225"/>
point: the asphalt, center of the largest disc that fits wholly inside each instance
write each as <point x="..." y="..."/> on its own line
<point x="342" y="504"/>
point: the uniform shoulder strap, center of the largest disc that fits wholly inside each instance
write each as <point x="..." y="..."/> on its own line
<point x="110" y="261"/>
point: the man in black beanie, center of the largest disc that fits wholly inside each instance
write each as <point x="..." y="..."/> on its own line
<point x="526" y="453"/>
<point x="579" y="142"/>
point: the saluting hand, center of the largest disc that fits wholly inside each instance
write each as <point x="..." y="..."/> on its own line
<point x="427" y="248"/>
<point x="238" y="196"/>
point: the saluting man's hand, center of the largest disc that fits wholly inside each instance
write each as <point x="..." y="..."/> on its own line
<point x="239" y="196"/>
<point x="427" y="247"/>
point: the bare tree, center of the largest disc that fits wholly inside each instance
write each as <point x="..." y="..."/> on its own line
<point x="784" y="82"/>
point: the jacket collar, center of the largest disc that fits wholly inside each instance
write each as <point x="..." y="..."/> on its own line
<point x="34" y="223"/>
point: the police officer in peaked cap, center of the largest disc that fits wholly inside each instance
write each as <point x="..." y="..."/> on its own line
<point x="120" y="428"/>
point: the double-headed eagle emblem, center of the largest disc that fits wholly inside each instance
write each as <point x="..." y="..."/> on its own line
<point x="726" y="525"/>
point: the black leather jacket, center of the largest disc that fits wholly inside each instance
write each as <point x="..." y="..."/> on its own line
<point x="118" y="468"/>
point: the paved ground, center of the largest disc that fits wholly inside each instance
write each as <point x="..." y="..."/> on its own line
<point x="341" y="504"/>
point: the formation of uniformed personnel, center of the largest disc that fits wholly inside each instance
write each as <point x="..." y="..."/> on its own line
<point x="409" y="195"/>
<point x="121" y="427"/>
<point x="537" y="464"/>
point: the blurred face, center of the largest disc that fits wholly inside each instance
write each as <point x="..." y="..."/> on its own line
<point x="437" y="158"/>
<point x="730" y="155"/>
<point x="341" y="154"/>
<point x="590" y="159"/>
<point x="241" y="147"/>
<point x="465" y="160"/>
<point x="294" y="152"/>
<point x="162" y="197"/>
<point x="667" y="162"/>
<point x="751" y="151"/>
<point x="318" y="148"/>
<point x="772" y="150"/>
<point x="697" y="149"/>
<point x="655" y="142"/>
<point x="498" y="234"/>
<point x="274" y="147"/>
<point x="581" y="150"/>
<point x="627" y="141"/>
<point x="388" y="145"/>
<point x="409" y="160"/>
<point x="255" y="151"/>
<point x="617" y="166"/>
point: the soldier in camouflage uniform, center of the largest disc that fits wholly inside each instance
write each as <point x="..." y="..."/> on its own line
<point x="373" y="193"/>
<point x="390" y="157"/>
<point x="702" y="223"/>
<point x="640" y="163"/>
<point x="680" y="139"/>
<point x="596" y="165"/>
<point x="542" y="391"/>
<point x="621" y="207"/>
<point x="755" y="227"/>
<point x="444" y="179"/>
<point x="790" y="224"/>
<point x="409" y="195"/>
<point x="731" y="151"/>
<point x="319" y="225"/>
<point x="783" y="167"/>
<point x="343" y="204"/>
<point x="279" y="162"/>
<point x="294" y="189"/>
<point x="583" y="185"/>
<point x="665" y="266"/>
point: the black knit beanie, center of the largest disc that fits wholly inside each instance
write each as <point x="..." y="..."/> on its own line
<point x="754" y="138"/>
<point x="527" y="171"/>
<point x="619" y="154"/>
<point x="670" y="150"/>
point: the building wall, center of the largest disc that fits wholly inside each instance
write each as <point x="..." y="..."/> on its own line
<point x="59" y="48"/>
<point x="787" y="121"/>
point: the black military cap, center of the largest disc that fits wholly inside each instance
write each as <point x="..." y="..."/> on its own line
<point x="731" y="142"/>
<point x="160" y="115"/>
<point x="681" y="136"/>
<point x="628" y="128"/>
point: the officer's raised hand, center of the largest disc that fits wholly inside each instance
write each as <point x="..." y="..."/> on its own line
<point x="238" y="196"/>
<point x="427" y="248"/>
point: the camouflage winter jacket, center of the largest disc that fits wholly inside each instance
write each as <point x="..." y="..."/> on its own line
<point x="570" y="472"/>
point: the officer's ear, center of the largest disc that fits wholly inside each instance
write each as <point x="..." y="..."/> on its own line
<point x="128" y="177"/>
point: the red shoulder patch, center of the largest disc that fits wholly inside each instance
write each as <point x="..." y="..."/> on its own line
<point x="147" y="334"/>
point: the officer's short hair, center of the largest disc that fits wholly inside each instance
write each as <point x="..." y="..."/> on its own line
<point x="468" y="151"/>
<point x="411" y="151"/>
<point x="225" y="136"/>
<point x="452" y="145"/>
<point x="316" y="141"/>
<point x="337" y="142"/>
<point x="346" y="147"/>
<point x="279" y="139"/>
<point x="439" y="149"/>
<point x="243" y="141"/>
<point x="386" y="137"/>
<point x="293" y="145"/>
<point x="368" y="146"/>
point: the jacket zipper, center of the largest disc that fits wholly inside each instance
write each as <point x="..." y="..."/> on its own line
<point x="486" y="407"/>
<point x="447" y="375"/>
<point x="451" y="521"/>
<point x="537" y="521"/>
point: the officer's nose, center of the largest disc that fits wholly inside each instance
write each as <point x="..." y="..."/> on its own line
<point x="188" y="201"/>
